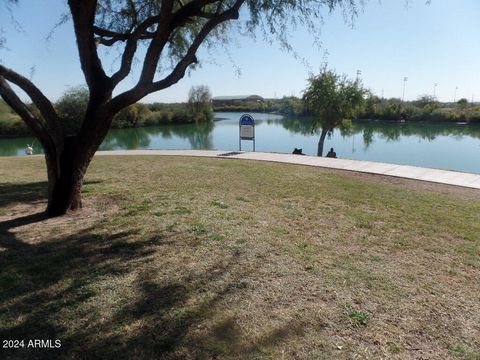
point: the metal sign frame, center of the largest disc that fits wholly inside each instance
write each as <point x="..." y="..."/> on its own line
<point x="246" y="120"/>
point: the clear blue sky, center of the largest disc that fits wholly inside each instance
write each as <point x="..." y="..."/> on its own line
<point x="391" y="39"/>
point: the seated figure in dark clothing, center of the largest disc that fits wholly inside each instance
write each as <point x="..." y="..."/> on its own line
<point x="297" y="152"/>
<point x="332" y="153"/>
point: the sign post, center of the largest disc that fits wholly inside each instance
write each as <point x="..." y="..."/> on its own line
<point x="246" y="130"/>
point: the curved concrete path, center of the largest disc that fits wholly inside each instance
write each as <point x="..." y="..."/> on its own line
<point x="404" y="171"/>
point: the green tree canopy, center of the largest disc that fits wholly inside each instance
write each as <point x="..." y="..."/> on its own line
<point x="333" y="100"/>
<point x="199" y="103"/>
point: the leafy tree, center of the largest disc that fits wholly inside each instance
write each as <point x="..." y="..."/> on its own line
<point x="171" y="33"/>
<point x="199" y="102"/>
<point x="291" y="106"/>
<point x="427" y="103"/>
<point x="370" y="106"/>
<point x="71" y="109"/>
<point x="131" y="116"/>
<point x="333" y="101"/>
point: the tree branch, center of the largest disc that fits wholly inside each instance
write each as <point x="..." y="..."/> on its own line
<point x="131" y="48"/>
<point x="21" y="109"/>
<point x="41" y="102"/>
<point x="180" y="18"/>
<point x="190" y="58"/>
<point x="143" y="89"/>
<point x="157" y="44"/>
<point x="83" y="15"/>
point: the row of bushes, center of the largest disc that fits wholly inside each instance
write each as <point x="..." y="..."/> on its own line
<point x="423" y="109"/>
<point x="291" y="106"/>
<point x="139" y="115"/>
<point x="11" y="126"/>
<point x="136" y="115"/>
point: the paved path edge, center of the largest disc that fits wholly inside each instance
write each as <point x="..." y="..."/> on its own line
<point x="447" y="177"/>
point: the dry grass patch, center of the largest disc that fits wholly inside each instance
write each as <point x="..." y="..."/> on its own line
<point x="211" y="258"/>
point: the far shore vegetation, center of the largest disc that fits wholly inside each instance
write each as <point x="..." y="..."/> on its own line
<point x="72" y="104"/>
<point x="424" y="109"/>
<point x="225" y="259"/>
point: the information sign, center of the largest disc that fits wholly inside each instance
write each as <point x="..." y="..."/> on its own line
<point x="247" y="129"/>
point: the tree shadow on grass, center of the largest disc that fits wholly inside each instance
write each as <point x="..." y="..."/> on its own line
<point x="28" y="192"/>
<point x="22" y="192"/>
<point x="39" y="282"/>
<point x="50" y="290"/>
<point x="184" y="319"/>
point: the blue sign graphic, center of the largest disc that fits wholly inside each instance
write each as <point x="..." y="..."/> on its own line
<point x="246" y="120"/>
<point x="247" y="130"/>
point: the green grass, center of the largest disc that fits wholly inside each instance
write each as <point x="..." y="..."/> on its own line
<point x="357" y="317"/>
<point x="181" y="258"/>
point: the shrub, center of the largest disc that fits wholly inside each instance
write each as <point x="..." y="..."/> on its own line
<point x="71" y="108"/>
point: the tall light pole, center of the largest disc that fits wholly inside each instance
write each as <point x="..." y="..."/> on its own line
<point x="455" y="95"/>
<point x="434" y="90"/>
<point x="404" y="81"/>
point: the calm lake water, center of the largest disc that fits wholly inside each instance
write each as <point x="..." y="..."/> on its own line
<point x="443" y="146"/>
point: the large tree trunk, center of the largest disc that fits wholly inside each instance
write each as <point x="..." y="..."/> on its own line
<point x="66" y="171"/>
<point x="321" y="142"/>
<point x="65" y="179"/>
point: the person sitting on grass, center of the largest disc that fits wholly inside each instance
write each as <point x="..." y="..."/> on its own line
<point x="29" y="149"/>
<point x="332" y="153"/>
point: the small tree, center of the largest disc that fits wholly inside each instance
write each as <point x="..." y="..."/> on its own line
<point x="131" y="116"/>
<point x="199" y="102"/>
<point x="462" y="102"/>
<point x="427" y="103"/>
<point x="71" y="109"/>
<point x="333" y="101"/>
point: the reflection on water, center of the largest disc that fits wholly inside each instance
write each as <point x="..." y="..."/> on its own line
<point x="448" y="146"/>
<point x="198" y="136"/>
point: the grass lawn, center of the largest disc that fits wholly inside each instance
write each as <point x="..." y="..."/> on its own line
<point x="189" y="258"/>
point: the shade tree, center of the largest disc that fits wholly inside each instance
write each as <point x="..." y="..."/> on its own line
<point x="170" y="32"/>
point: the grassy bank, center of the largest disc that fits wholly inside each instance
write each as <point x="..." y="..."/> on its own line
<point x="214" y="258"/>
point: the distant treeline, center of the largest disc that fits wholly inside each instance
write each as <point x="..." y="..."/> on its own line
<point x="290" y="106"/>
<point x="426" y="108"/>
<point x="141" y="115"/>
<point x="136" y="115"/>
<point x="374" y="108"/>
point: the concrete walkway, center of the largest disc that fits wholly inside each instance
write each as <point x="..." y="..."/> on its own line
<point x="403" y="171"/>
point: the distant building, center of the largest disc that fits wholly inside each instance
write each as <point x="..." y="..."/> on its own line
<point x="239" y="99"/>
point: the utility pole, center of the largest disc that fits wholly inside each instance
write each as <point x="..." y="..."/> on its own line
<point x="404" y="82"/>
<point x="434" y="90"/>
<point x="455" y="95"/>
<point x="359" y="72"/>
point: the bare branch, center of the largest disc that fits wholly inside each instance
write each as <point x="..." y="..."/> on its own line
<point x="21" y="109"/>
<point x="83" y="15"/>
<point x="190" y="58"/>
<point x="41" y="102"/>
<point x="131" y="48"/>
<point x="157" y="44"/>
<point x="141" y="90"/>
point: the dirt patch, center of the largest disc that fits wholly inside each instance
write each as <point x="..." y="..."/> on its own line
<point x="28" y="220"/>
